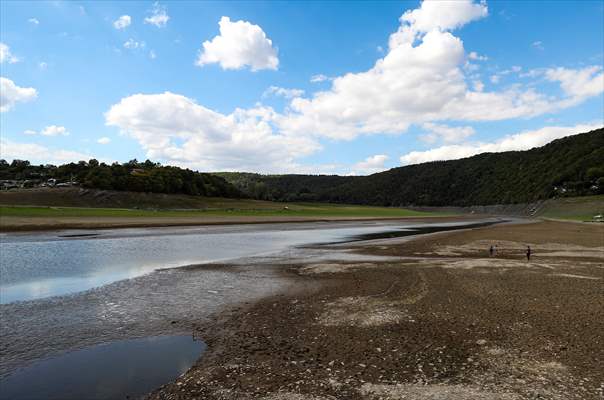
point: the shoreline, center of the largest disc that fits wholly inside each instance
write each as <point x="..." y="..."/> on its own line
<point x="32" y="224"/>
<point x="444" y="320"/>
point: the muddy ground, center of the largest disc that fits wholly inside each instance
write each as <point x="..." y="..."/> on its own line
<point x="443" y="321"/>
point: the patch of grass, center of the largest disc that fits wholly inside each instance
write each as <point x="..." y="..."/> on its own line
<point x="284" y="210"/>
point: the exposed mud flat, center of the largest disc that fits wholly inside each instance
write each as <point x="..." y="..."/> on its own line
<point x="421" y="324"/>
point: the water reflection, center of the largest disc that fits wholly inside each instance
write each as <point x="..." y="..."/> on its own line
<point x="107" y="371"/>
<point x="42" y="265"/>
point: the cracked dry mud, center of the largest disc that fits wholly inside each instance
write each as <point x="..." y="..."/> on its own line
<point x="443" y="321"/>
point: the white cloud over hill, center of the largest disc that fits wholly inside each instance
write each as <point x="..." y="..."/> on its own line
<point x="516" y="142"/>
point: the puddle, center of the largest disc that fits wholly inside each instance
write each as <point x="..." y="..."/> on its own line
<point x="116" y="370"/>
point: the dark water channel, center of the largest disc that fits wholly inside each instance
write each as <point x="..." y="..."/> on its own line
<point x="116" y="370"/>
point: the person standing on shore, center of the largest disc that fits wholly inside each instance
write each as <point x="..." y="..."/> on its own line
<point x="528" y="253"/>
<point x="491" y="251"/>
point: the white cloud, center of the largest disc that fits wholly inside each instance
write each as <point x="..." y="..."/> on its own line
<point x="319" y="78"/>
<point x="152" y="55"/>
<point x="279" y="91"/>
<point x="421" y="79"/>
<point x="578" y="83"/>
<point x="54" y="130"/>
<point x="10" y="94"/>
<point x="538" y="45"/>
<point x="478" y="85"/>
<point x="520" y="141"/>
<point x="38" y="154"/>
<point x="34" y="21"/>
<point x="448" y="134"/>
<point x="239" y="44"/>
<point x="104" y="140"/>
<point x="42" y="65"/>
<point x="443" y="15"/>
<point x="132" y="44"/>
<point x="6" y="55"/>
<point x="158" y="17"/>
<point x="29" y="132"/>
<point x="122" y="22"/>
<point x="477" y="57"/>
<point x="175" y="129"/>
<point x="495" y="79"/>
<point x="370" y="165"/>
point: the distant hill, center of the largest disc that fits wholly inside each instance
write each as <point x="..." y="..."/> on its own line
<point x="571" y="166"/>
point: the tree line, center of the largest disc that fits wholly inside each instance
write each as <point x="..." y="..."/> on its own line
<point x="571" y="166"/>
<point x="133" y="176"/>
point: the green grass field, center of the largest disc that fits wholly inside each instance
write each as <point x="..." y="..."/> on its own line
<point x="280" y="210"/>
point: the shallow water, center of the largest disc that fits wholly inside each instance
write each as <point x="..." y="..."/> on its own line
<point x="107" y="371"/>
<point x="42" y="265"/>
<point x="36" y="266"/>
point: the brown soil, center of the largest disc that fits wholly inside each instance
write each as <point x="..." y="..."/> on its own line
<point x="445" y="321"/>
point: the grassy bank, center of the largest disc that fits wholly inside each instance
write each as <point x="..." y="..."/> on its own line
<point x="573" y="208"/>
<point x="280" y="210"/>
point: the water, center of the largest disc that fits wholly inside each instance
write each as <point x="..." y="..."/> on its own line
<point x="107" y="371"/>
<point x="36" y="266"/>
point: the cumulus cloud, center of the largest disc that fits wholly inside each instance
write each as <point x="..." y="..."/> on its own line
<point x="447" y="134"/>
<point x="6" y="55"/>
<point x="104" y="140"/>
<point x="10" y="94"/>
<point x="370" y="165"/>
<point x="34" y="21"/>
<point x="239" y="44"/>
<point x="176" y="129"/>
<point x="443" y="15"/>
<point x="38" y="154"/>
<point x="159" y="16"/>
<point x="520" y="141"/>
<point x="283" y="92"/>
<point x="538" y="44"/>
<point x="122" y="22"/>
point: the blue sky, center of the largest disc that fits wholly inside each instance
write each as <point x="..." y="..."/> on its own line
<point x="309" y="87"/>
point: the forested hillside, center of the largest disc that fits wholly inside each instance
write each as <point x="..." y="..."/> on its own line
<point x="132" y="176"/>
<point x="572" y="166"/>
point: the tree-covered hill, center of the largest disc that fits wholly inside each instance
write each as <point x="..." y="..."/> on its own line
<point x="571" y="166"/>
<point x="132" y="176"/>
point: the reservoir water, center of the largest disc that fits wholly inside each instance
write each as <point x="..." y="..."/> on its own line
<point x="34" y="266"/>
